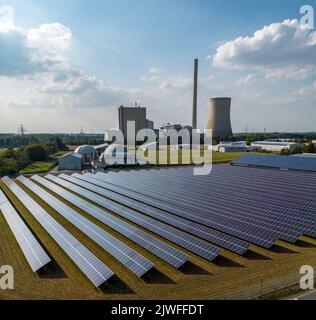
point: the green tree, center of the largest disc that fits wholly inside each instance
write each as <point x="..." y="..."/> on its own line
<point x="296" y="150"/>
<point x="50" y="148"/>
<point x="310" y="148"/>
<point x="248" y="141"/>
<point x="34" y="152"/>
<point x="284" y="152"/>
<point x="8" y="154"/>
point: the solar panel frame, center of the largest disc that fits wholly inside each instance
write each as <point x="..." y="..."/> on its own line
<point x="131" y="259"/>
<point x="185" y="241"/>
<point x="34" y="253"/>
<point x="157" y="247"/>
<point x="94" y="269"/>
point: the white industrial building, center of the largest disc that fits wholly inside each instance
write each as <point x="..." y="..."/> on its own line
<point x="70" y="161"/>
<point x="75" y="160"/>
<point x="233" y="146"/>
<point x="276" y="146"/>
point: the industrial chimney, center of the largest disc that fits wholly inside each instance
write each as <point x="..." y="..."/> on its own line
<point x="194" y="107"/>
<point x="219" y="118"/>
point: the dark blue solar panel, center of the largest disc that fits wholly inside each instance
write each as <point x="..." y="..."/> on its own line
<point x="282" y="162"/>
<point x="183" y="240"/>
<point x="157" y="247"/>
<point x="128" y="198"/>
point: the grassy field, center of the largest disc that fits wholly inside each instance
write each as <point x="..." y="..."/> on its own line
<point x="199" y="279"/>
<point x="190" y="157"/>
<point x="43" y="166"/>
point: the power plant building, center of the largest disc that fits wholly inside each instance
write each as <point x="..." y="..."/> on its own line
<point x="219" y="118"/>
<point x="136" y="114"/>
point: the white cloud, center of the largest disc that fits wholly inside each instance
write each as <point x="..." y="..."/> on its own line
<point x="275" y="49"/>
<point x="155" y="70"/>
<point x="25" y="52"/>
<point x="250" y="78"/>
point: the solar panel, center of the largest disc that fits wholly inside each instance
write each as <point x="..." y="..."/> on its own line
<point x="32" y="250"/>
<point x="210" y="199"/>
<point x="128" y="199"/>
<point x="127" y="256"/>
<point x="88" y="263"/>
<point x="157" y="247"/>
<point x="258" y="194"/>
<point x="256" y="235"/>
<point x="274" y="161"/>
<point x="227" y="187"/>
<point x="188" y="242"/>
<point x="211" y="202"/>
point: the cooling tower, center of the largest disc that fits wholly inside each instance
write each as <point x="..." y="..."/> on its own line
<point x="219" y="118"/>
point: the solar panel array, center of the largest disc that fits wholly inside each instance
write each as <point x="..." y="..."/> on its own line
<point x="207" y="204"/>
<point x="31" y="248"/>
<point x="127" y="256"/>
<point x="157" y="247"/>
<point x="265" y="202"/>
<point x="280" y="162"/>
<point x="87" y="262"/>
<point x="134" y="200"/>
<point x="180" y="238"/>
<point x="217" y="222"/>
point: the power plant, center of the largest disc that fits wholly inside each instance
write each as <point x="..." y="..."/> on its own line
<point x="219" y="118"/>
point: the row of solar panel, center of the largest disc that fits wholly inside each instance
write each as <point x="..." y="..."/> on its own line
<point x="180" y="238"/>
<point x="291" y="163"/>
<point x="87" y="262"/>
<point x="236" y="190"/>
<point x="282" y="220"/>
<point x="217" y="206"/>
<point x="95" y="270"/>
<point x="220" y="223"/>
<point x="212" y="179"/>
<point x="226" y="241"/>
<point x="33" y="251"/>
<point x="167" y="253"/>
<point x="127" y="256"/>
<point x="219" y="200"/>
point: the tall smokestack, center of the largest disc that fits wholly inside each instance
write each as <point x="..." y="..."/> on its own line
<point x="194" y="107"/>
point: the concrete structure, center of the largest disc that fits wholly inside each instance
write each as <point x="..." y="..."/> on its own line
<point x="194" y="105"/>
<point x="70" y="161"/>
<point x="136" y="114"/>
<point x="219" y="118"/>
<point x="87" y="152"/>
<point x="150" y="124"/>
<point x="276" y="146"/>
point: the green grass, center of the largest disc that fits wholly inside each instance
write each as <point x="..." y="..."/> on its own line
<point x="39" y="167"/>
<point x="43" y="166"/>
<point x="189" y="156"/>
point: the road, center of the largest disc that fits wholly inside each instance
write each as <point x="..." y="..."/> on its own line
<point x="308" y="295"/>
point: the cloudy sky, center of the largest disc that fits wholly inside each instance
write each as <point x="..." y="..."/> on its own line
<point x="68" y="64"/>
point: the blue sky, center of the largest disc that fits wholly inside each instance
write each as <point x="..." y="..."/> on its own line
<point x="103" y="53"/>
